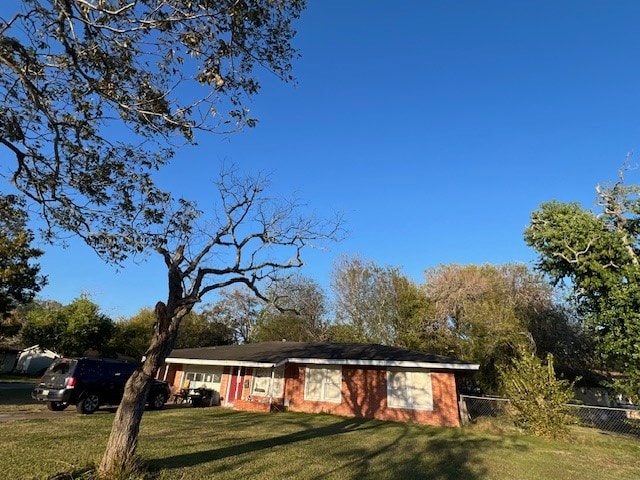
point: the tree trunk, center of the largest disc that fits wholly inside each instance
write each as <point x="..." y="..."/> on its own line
<point x="119" y="455"/>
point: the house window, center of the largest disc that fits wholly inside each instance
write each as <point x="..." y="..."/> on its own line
<point x="323" y="384"/>
<point x="263" y="384"/>
<point x="409" y="389"/>
<point x="202" y="379"/>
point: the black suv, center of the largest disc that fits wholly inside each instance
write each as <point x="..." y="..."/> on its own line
<point x="89" y="383"/>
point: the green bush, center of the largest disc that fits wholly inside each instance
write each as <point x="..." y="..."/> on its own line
<point x="538" y="398"/>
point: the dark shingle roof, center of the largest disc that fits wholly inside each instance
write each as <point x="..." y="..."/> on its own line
<point x="278" y="353"/>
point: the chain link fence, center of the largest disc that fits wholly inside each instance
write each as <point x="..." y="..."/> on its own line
<point x="623" y="421"/>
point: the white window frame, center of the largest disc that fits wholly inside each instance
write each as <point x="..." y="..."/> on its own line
<point x="274" y="384"/>
<point x="409" y="389"/>
<point x="329" y="380"/>
<point x="200" y="378"/>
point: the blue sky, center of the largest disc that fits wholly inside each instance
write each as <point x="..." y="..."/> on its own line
<point x="436" y="127"/>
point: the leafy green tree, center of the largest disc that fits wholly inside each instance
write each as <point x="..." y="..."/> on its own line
<point x="73" y="71"/>
<point x="340" y="333"/>
<point x="282" y="326"/>
<point x="484" y="313"/>
<point x="413" y="321"/>
<point x="44" y="327"/>
<point x="538" y="399"/>
<point x="297" y="313"/>
<point x="560" y="330"/>
<point x="131" y="336"/>
<point x="596" y="254"/>
<point x="19" y="278"/>
<point x="201" y="330"/>
<point x="11" y="326"/>
<point x="238" y="309"/>
<point x="69" y="330"/>
<point x="87" y="328"/>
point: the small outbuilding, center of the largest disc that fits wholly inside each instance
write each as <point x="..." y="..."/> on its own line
<point x="349" y="379"/>
<point x="34" y="360"/>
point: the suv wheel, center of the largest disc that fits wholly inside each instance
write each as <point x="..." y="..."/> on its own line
<point x="157" y="400"/>
<point x="89" y="403"/>
<point x="57" y="406"/>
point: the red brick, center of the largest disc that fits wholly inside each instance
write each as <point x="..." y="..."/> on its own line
<point x="364" y="394"/>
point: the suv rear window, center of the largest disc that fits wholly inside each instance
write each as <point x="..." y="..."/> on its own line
<point x="62" y="367"/>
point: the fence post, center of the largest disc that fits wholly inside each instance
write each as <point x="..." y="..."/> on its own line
<point x="462" y="407"/>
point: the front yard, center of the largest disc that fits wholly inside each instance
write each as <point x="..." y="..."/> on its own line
<point x="189" y="443"/>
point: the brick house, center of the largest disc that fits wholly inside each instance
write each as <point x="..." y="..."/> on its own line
<point x="349" y="379"/>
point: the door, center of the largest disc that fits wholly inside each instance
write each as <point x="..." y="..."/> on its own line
<point x="114" y="376"/>
<point x="235" y="384"/>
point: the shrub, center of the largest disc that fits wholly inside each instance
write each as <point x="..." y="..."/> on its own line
<point x="538" y="398"/>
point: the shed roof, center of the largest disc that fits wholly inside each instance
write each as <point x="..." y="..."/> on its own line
<point x="273" y="354"/>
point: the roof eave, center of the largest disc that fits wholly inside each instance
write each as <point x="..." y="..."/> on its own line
<point x="382" y="363"/>
<point x="220" y="363"/>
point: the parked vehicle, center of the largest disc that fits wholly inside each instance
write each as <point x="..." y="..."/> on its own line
<point x="89" y="383"/>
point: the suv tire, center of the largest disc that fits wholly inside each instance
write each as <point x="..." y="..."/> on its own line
<point x="88" y="404"/>
<point x="157" y="400"/>
<point x="57" y="406"/>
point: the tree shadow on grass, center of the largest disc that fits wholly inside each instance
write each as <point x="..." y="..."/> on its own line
<point x="194" y="458"/>
<point x="402" y="452"/>
<point x="436" y="454"/>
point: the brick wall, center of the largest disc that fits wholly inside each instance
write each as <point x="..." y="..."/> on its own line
<point x="174" y="377"/>
<point x="252" y="406"/>
<point x="364" y="394"/>
<point x="224" y="385"/>
<point x="170" y="372"/>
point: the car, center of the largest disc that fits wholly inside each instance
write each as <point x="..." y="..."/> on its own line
<point x="89" y="383"/>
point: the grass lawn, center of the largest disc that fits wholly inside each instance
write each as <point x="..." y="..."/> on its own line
<point x="217" y="443"/>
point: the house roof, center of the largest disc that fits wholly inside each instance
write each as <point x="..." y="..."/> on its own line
<point x="275" y="354"/>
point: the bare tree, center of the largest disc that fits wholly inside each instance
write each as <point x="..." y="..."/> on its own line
<point x="365" y="299"/>
<point x="74" y="71"/>
<point x="253" y="241"/>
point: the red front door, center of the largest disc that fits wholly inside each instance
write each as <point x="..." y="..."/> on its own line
<point x="235" y="385"/>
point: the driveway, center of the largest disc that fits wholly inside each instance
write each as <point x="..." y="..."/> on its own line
<point x="16" y="403"/>
<point x="16" y="386"/>
<point x="22" y="407"/>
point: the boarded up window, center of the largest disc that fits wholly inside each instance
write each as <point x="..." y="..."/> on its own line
<point x="323" y="384"/>
<point x="265" y="385"/>
<point x="409" y="389"/>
